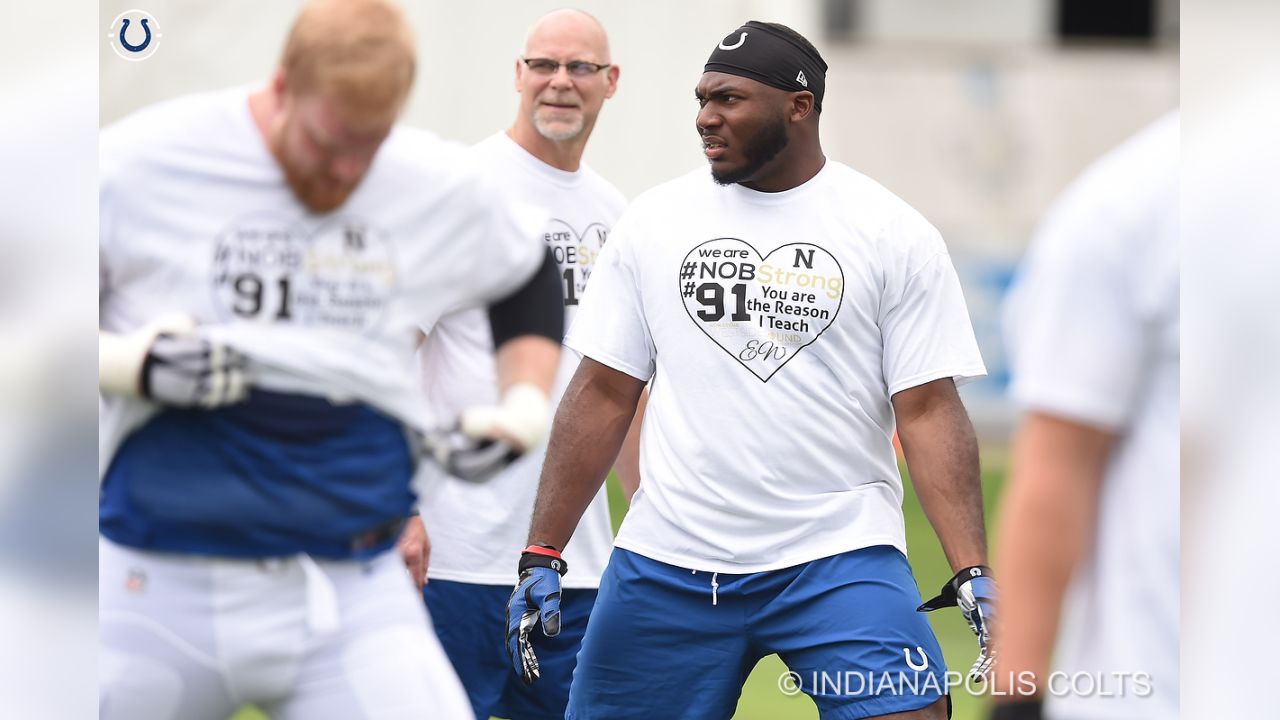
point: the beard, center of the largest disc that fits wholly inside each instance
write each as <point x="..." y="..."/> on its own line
<point x="314" y="188"/>
<point x="757" y="151"/>
<point x="558" y="130"/>
<point x="319" y="196"/>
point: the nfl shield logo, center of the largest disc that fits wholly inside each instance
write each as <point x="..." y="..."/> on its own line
<point x="136" y="582"/>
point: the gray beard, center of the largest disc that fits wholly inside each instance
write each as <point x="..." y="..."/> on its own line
<point x="567" y="133"/>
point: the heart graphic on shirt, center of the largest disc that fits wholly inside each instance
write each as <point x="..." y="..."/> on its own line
<point x="762" y="310"/>
<point x="575" y="252"/>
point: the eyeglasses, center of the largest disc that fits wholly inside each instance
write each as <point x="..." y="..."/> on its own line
<point x="576" y="68"/>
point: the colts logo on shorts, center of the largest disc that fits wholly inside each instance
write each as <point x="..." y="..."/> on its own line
<point x="555" y="565"/>
<point x="924" y="659"/>
<point x="134" y="35"/>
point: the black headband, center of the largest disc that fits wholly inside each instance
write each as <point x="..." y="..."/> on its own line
<point x="762" y="53"/>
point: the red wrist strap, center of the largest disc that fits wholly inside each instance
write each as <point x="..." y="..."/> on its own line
<point x="539" y="550"/>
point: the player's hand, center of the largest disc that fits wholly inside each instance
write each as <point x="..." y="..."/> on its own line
<point x="521" y="420"/>
<point x="974" y="591"/>
<point x="535" y="598"/>
<point x="192" y="371"/>
<point x="169" y="362"/>
<point x="415" y="548"/>
<point x="488" y="439"/>
<point x="468" y="458"/>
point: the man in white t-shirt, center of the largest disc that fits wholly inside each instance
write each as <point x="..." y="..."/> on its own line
<point x="1089" y="528"/>
<point x="269" y="258"/>
<point x="790" y="312"/>
<point x="564" y="77"/>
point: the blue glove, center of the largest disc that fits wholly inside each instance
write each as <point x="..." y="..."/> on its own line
<point x="536" y="596"/>
<point x="974" y="591"/>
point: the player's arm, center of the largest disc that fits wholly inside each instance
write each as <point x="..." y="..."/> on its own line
<point x="590" y="425"/>
<point x="593" y="418"/>
<point x="1049" y="511"/>
<point x="415" y="549"/>
<point x="628" y="463"/>
<point x="942" y="458"/>
<point x="527" y="327"/>
<point x="167" y="361"/>
<point x="532" y="359"/>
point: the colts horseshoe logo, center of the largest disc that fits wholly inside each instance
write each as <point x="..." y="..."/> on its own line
<point x="741" y="39"/>
<point x="124" y="41"/>
<point x="924" y="659"/>
<point x="130" y="43"/>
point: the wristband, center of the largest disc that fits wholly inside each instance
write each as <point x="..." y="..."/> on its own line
<point x="121" y="357"/>
<point x="542" y="556"/>
<point x="947" y="597"/>
<point x="547" y="550"/>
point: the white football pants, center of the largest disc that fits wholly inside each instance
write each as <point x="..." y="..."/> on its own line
<point x="195" y="638"/>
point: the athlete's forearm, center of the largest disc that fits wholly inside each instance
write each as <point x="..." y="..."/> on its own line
<point x="942" y="458"/>
<point x="122" y="355"/>
<point x="1048" y="513"/>
<point x="530" y="359"/>
<point x="589" y="427"/>
<point x="628" y="463"/>
<point x="526" y="370"/>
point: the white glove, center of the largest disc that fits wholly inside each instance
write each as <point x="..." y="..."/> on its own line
<point x="166" y="361"/>
<point x="520" y="419"/>
<point x="488" y="439"/>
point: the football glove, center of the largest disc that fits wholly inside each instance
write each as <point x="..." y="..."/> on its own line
<point x="468" y="458"/>
<point x="535" y="597"/>
<point x="974" y="591"/>
<point x="521" y="419"/>
<point x="167" y="362"/>
<point x="488" y="439"/>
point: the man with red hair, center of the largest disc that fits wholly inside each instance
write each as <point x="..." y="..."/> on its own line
<point x="269" y="259"/>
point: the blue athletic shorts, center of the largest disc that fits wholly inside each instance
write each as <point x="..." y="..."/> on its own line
<point x="672" y="642"/>
<point x="471" y="623"/>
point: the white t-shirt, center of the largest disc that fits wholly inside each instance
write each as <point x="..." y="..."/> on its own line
<point x="775" y="326"/>
<point x="1092" y="333"/>
<point x="478" y="529"/>
<point x="196" y="218"/>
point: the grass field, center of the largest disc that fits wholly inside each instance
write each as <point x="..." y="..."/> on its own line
<point x="761" y="699"/>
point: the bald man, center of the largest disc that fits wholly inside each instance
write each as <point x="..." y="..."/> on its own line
<point x="564" y="76"/>
<point x="269" y="258"/>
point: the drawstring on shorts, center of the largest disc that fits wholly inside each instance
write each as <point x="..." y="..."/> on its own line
<point x="714" y="585"/>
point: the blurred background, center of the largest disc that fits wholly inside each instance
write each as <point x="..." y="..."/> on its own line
<point x="977" y="113"/>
